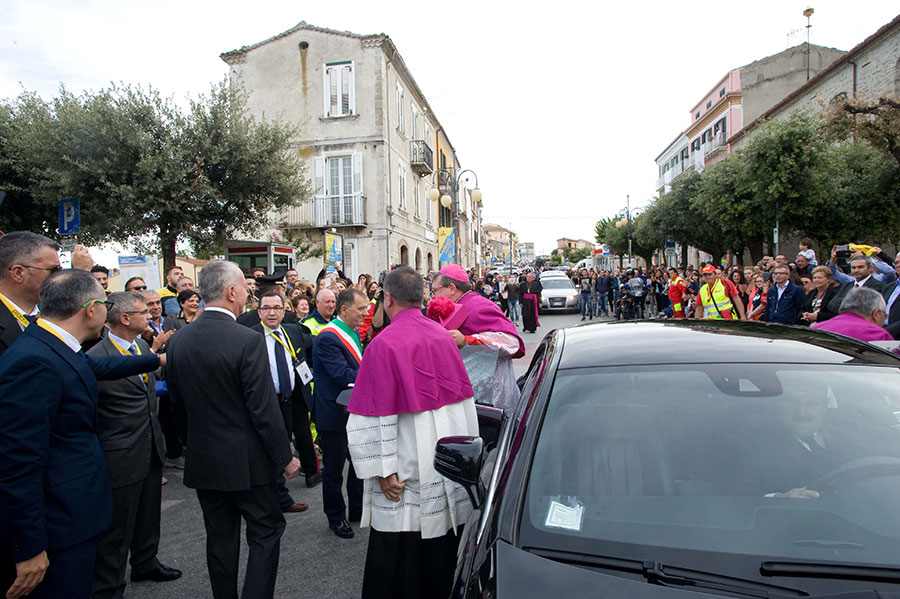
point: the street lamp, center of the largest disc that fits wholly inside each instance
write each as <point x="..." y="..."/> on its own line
<point x="626" y="215"/>
<point x="443" y="177"/>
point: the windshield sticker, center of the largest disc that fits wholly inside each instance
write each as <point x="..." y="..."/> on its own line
<point x="566" y="513"/>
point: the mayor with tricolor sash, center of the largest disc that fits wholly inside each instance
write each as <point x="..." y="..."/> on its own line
<point x="337" y="353"/>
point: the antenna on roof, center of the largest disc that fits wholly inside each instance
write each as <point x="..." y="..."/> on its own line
<point x="808" y="13"/>
<point x="793" y="33"/>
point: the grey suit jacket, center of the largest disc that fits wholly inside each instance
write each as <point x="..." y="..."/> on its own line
<point x="128" y="421"/>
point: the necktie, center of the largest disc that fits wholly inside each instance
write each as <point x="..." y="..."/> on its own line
<point x="281" y="365"/>
<point x="132" y="349"/>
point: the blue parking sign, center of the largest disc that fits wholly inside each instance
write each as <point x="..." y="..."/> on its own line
<point x="69" y="216"/>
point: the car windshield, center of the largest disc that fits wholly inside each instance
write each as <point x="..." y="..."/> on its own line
<point x="787" y="462"/>
<point x="557" y="283"/>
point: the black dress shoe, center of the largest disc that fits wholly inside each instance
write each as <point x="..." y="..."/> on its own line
<point x="160" y="573"/>
<point x="313" y="479"/>
<point x="341" y="529"/>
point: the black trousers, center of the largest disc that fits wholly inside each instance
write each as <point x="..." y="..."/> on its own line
<point x="135" y="529"/>
<point x="222" y="513"/>
<point x="173" y="421"/>
<point x="401" y="565"/>
<point x="303" y="441"/>
<point x="334" y="455"/>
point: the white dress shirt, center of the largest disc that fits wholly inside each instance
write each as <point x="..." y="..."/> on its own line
<point x="273" y="346"/>
<point x="222" y="310"/>
<point x="67" y="337"/>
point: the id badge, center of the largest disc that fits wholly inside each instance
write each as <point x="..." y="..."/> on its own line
<point x="304" y="372"/>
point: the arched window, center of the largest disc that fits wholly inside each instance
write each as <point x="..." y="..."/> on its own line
<point x="404" y="255"/>
<point x="418" y="260"/>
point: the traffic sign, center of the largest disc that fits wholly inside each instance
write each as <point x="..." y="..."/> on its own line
<point x="69" y="216"/>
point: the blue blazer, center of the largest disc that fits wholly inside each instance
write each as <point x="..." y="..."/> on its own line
<point x="334" y="368"/>
<point x="788" y="309"/>
<point x="54" y="483"/>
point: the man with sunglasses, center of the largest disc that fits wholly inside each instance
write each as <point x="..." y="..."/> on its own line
<point x="136" y="284"/>
<point x="55" y="496"/>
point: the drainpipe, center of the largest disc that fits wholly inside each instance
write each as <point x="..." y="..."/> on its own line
<point x="389" y="208"/>
<point x="854" y="77"/>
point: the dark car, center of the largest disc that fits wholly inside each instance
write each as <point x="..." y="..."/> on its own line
<point x="654" y="459"/>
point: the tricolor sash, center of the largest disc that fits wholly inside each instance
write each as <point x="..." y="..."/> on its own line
<point x="346" y="335"/>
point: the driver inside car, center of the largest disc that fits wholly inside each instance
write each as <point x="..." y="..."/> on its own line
<point x="791" y="445"/>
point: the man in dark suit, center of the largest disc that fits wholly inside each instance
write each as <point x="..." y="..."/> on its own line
<point x="54" y="483"/>
<point x="286" y="349"/>
<point x="785" y="300"/>
<point x="862" y="271"/>
<point x="128" y="427"/>
<point x="337" y="353"/>
<point x="891" y="294"/>
<point x="238" y="445"/>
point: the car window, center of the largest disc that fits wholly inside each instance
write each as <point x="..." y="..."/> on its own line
<point x="557" y="284"/>
<point x="788" y="462"/>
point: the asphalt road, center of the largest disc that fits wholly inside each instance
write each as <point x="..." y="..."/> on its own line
<point x="314" y="562"/>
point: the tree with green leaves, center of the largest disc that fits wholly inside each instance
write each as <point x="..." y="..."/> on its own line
<point x="146" y="172"/>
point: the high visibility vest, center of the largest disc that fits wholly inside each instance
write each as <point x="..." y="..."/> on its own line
<point x="166" y="292"/>
<point x="314" y="326"/>
<point x="716" y="305"/>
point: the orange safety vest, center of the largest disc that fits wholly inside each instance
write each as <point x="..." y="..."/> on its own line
<point x="676" y="305"/>
<point x="716" y="304"/>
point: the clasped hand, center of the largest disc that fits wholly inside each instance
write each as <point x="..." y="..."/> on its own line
<point x="391" y="487"/>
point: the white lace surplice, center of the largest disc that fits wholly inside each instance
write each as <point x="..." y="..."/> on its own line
<point x="404" y="443"/>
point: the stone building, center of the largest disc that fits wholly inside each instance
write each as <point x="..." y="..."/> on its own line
<point x="739" y="97"/>
<point x="371" y="141"/>
<point x="870" y="70"/>
<point x="500" y="244"/>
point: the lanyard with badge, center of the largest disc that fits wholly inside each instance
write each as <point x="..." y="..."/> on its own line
<point x="137" y="349"/>
<point x="302" y="368"/>
<point x="15" y="312"/>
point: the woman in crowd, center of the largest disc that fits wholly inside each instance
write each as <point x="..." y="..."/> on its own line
<point x="372" y="290"/>
<point x="737" y="277"/>
<point x="824" y="288"/>
<point x="301" y="306"/>
<point x="758" y="300"/>
<point x="189" y="301"/>
<point x="363" y="282"/>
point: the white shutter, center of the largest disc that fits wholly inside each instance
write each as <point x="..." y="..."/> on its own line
<point x="357" y="173"/>
<point x="352" y="91"/>
<point x="319" y="175"/>
<point x="415" y="121"/>
<point x="326" y="89"/>
<point x="346" y="75"/>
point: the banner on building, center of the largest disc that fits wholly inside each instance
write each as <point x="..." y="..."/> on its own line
<point x="334" y="250"/>
<point x="145" y="267"/>
<point x="446" y="243"/>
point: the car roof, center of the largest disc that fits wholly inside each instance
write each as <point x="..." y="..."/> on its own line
<point x="554" y="273"/>
<point x="710" y="342"/>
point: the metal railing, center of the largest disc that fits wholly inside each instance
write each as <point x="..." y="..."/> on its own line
<point x="329" y="211"/>
<point x="421" y="156"/>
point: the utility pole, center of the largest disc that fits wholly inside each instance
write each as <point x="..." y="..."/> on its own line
<point x="808" y="13"/>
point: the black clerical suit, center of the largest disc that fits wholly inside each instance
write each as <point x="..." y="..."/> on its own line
<point x="295" y="405"/>
<point x="132" y="440"/>
<point x="237" y="446"/>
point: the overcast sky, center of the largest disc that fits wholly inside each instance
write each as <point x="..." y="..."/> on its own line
<point x="560" y="108"/>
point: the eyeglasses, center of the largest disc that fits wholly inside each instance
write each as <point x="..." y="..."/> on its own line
<point x="47" y="268"/>
<point x="271" y="309"/>
<point x="105" y="302"/>
<point x="141" y="312"/>
<point x="138" y="288"/>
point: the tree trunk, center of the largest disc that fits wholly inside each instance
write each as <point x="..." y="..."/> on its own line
<point x="684" y="254"/>
<point x="167" y="239"/>
<point x="756" y="249"/>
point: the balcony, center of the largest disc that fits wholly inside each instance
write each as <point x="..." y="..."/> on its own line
<point x="422" y="157"/>
<point x="328" y="211"/>
<point x="715" y="144"/>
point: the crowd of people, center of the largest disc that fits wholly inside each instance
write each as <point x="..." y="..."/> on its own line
<point x="243" y="382"/>
<point x="247" y="379"/>
<point x="776" y="290"/>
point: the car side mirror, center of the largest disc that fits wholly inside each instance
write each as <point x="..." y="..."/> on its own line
<point x="460" y="459"/>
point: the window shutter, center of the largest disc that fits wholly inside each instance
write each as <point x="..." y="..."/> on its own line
<point x="326" y="90"/>
<point x="346" y="75"/>
<point x="357" y="173"/>
<point x="319" y="175"/>
<point x="352" y="89"/>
